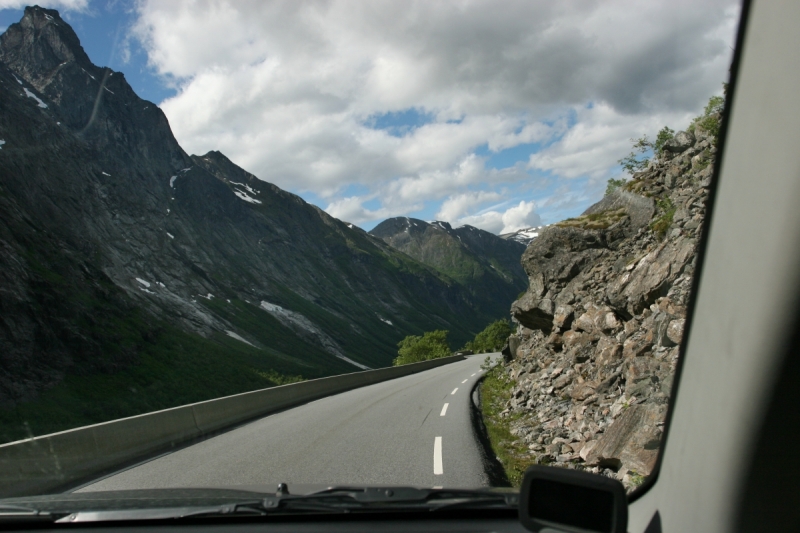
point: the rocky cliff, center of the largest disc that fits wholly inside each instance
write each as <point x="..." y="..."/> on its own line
<point x="118" y="250"/>
<point x="593" y="359"/>
<point x="485" y="263"/>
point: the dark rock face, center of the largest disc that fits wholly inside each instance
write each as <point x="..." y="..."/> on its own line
<point x="485" y="263"/>
<point x="599" y="327"/>
<point x="110" y="232"/>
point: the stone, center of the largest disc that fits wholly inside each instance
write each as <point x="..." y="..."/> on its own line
<point x="571" y="338"/>
<point x="555" y="340"/>
<point x="563" y="317"/>
<point x="526" y="312"/>
<point x="631" y="440"/>
<point x="608" y="352"/>
<point x="585" y="322"/>
<point x="635" y="346"/>
<point x="561" y="382"/>
<point x="682" y="141"/>
<point x="675" y="330"/>
<point x="581" y="391"/>
<point x="587" y="449"/>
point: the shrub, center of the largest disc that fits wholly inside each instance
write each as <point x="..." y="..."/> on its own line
<point x="613" y="184"/>
<point x="662" y="223"/>
<point x="490" y="339"/>
<point x="413" y="349"/>
<point x="709" y="120"/>
<point x="663" y="136"/>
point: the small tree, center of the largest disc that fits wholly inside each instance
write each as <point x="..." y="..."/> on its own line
<point x="490" y="339"/>
<point x="663" y="136"/>
<point x="633" y="163"/>
<point x="431" y="345"/>
<point x="709" y="120"/>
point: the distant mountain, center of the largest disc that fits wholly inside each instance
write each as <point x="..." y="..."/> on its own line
<point x="523" y="236"/>
<point x="163" y="278"/>
<point x="488" y="265"/>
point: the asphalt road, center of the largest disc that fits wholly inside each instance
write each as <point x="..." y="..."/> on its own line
<point x="415" y="430"/>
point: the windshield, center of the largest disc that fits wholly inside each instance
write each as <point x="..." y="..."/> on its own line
<point x="284" y="248"/>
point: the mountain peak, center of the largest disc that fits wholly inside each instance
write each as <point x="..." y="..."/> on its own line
<point x="43" y="41"/>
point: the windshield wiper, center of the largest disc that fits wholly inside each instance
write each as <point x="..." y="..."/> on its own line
<point x="353" y="498"/>
<point x="333" y="500"/>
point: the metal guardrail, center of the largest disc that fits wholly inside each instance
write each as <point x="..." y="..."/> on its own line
<point x="51" y="462"/>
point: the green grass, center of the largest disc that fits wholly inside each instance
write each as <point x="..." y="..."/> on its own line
<point x="515" y="457"/>
<point x="661" y="225"/>
<point x="601" y="220"/>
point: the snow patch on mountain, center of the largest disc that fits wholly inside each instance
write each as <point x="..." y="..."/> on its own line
<point x="525" y="235"/>
<point x="308" y="330"/>
<point x="29" y="94"/>
<point x="243" y="196"/>
<point x="239" y="338"/>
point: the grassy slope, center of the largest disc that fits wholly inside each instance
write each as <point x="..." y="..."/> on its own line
<point x="495" y="393"/>
<point x="175" y="369"/>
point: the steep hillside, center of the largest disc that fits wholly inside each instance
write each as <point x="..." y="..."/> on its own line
<point x="124" y="260"/>
<point x="599" y="328"/>
<point x="480" y="260"/>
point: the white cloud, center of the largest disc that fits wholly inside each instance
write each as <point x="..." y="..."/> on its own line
<point x="513" y="219"/>
<point x="458" y="205"/>
<point x="600" y="137"/>
<point x="286" y="89"/>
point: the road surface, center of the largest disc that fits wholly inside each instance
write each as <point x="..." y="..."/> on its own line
<point x="415" y="430"/>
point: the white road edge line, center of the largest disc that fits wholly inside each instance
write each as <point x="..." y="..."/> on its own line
<point x="437" y="457"/>
<point x="444" y="409"/>
<point x="464" y="381"/>
<point x="454" y="391"/>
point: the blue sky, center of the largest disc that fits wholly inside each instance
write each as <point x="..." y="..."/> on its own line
<point x="103" y="30"/>
<point x="501" y="117"/>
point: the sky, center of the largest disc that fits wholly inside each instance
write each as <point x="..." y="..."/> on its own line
<point x="500" y="114"/>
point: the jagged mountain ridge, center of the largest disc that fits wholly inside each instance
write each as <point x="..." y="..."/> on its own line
<point x="487" y="264"/>
<point x="110" y="235"/>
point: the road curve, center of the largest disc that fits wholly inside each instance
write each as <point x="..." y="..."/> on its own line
<point x="415" y="430"/>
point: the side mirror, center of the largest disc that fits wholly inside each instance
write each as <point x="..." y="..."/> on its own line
<point x="571" y="501"/>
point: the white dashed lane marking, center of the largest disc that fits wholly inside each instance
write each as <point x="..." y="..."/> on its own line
<point x="438" y="470"/>
<point x="444" y="409"/>
<point x="473" y="374"/>
<point x="464" y="381"/>
<point x="454" y="391"/>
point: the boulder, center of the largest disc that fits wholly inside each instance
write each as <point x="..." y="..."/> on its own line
<point x="609" y="351"/>
<point x="650" y="277"/>
<point x="597" y="319"/>
<point x="675" y="330"/>
<point x="553" y="259"/>
<point x="682" y="141"/>
<point x="563" y="317"/>
<point x="631" y="441"/>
